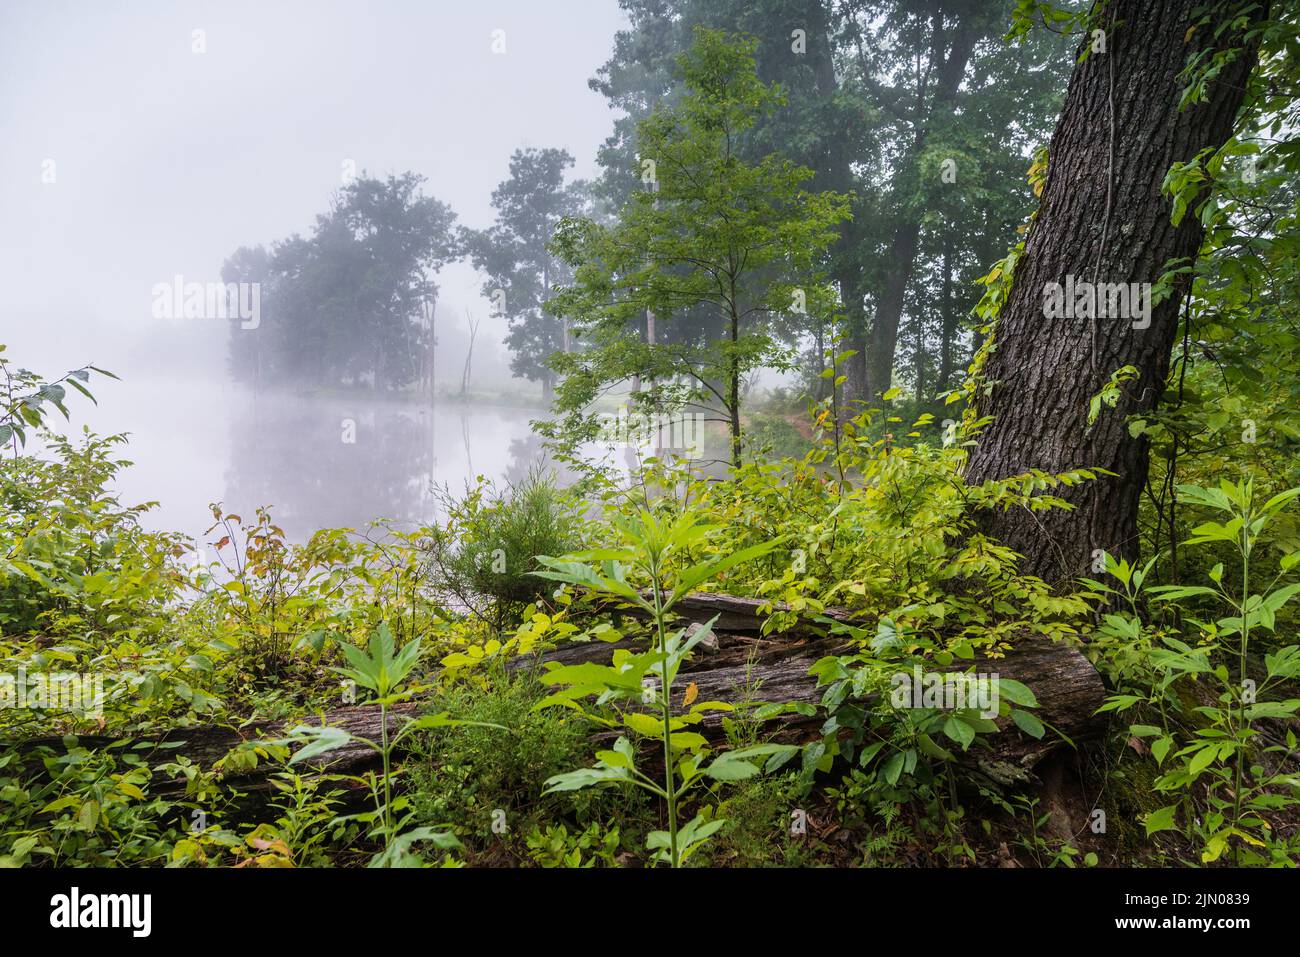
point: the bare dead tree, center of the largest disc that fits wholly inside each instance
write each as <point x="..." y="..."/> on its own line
<point x="469" y="354"/>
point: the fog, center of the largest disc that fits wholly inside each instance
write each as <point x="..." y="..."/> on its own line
<point x="132" y="156"/>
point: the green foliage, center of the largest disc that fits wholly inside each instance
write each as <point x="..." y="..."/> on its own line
<point x="759" y="829"/>
<point x="881" y="526"/>
<point x="463" y="776"/>
<point x="867" y="108"/>
<point x="85" y="589"/>
<point x="343" y="307"/>
<point x="901" y="749"/>
<point x="270" y="592"/>
<point x="483" y="557"/>
<point x="556" y="847"/>
<point x="717" y="234"/>
<point x="25" y="395"/>
<point x="651" y="547"/>
<point x="1213" y="744"/>
<point x="769" y="436"/>
<point x="89" y="807"/>
<point x="887" y="527"/>
<point x="1234" y="381"/>
<point x="73" y="559"/>
<point x="512" y="253"/>
<point x="381" y="669"/>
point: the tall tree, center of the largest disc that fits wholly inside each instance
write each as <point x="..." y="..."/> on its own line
<point x="513" y="254"/>
<point x="1104" y="218"/>
<point x="248" y="264"/>
<point x="344" y="305"/>
<point x="821" y="127"/>
<point x="739" y="239"/>
<point x="954" y="103"/>
<point x="880" y="94"/>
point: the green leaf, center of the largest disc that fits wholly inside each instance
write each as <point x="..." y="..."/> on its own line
<point x="893" y="768"/>
<point x="727" y="768"/>
<point x="1277" y="501"/>
<point x="1202" y="759"/>
<point x="1016" y="693"/>
<point x="645" y="724"/>
<point x="615" y="759"/>
<point x="584" y="778"/>
<point x="88" y="816"/>
<point x="698" y="574"/>
<point x="959" y="731"/>
<point x="1160" y="820"/>
<point x="1028" y="723"/>
<point x="320" y="739"/>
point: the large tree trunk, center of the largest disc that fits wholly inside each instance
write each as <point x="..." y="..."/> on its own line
<point x="1102" y="219"/>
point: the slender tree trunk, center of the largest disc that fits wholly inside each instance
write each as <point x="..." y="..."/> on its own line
<point x="948" y="319"/>
<point x="469" y="355"/>
<point x="733" y="374"/>
<point x="821" y="386"/>
<point x="566" y="337"/>
<point x="918" y="359"/>
<point x="1102" y="218"/>
<point x="855" y="336"/>
<point x="882" y="341"/>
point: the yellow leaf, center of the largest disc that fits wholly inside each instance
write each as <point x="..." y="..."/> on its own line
<point x="643" y="724"/>
<point x="129" y="789"/>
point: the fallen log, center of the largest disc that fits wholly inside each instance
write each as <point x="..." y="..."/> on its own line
<point x="742" y="666"/>
<point x="750" y="666"/>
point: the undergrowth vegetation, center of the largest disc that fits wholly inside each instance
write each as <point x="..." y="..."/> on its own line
<point x="487" y="752"/>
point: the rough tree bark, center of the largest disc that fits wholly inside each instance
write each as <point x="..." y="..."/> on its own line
<point x="1102" y="219"/>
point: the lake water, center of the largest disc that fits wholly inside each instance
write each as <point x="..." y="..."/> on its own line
<point x="319" y="461"/>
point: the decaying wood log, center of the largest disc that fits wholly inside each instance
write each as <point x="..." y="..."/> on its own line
<point x="749" y="666"/>
<point x="743" y="666"/>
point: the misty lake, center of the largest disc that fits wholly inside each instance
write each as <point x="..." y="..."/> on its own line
<point x="319" y="461"/>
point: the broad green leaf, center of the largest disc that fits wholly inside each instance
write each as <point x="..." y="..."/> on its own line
<point x="1160" y="820"/>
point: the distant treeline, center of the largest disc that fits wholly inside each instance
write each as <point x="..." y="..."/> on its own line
<point x="355" y="303"/>
<point x="348" y="305"/>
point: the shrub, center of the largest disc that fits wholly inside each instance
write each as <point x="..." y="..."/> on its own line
<point x="758" y="832"/>
<point x="460" y="776"/>
<point x="482" y="558"/>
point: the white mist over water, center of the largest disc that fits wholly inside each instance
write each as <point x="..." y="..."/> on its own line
<point x="131" y="159"/>
<point x="320" y="462"/>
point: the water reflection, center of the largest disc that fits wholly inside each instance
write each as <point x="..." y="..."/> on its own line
<point x="344" y="461"/>
<point x="336" y="461"/>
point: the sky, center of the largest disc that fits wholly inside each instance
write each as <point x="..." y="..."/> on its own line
<point x="137" y="149"/>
